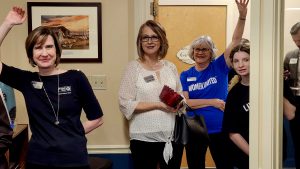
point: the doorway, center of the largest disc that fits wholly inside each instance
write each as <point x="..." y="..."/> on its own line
<point x="185" y="22"/>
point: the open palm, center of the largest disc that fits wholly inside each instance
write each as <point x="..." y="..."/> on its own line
<point x="242" y="7"/>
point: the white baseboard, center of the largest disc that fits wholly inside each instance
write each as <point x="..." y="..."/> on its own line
<point x="108" y="149"/>
<point x="215" y="168"/>
<point x="115" y="149"/>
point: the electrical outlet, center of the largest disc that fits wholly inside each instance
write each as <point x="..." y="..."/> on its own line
<point x="98" y="82"/>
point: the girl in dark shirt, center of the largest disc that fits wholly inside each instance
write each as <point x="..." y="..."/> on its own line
<point x="236" y="114"/>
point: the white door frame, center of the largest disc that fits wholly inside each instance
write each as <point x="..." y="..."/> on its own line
<point x="141" y="15"/>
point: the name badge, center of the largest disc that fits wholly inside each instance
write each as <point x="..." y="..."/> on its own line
<point x="191" y="79"/>
<point x="37" y="85"/>
<point x="293" y="61"/>
<point x="149" y="78"/>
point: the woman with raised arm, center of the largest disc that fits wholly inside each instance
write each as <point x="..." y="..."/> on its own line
<point x="54" y="100"/>
<point x="205" y="88"/>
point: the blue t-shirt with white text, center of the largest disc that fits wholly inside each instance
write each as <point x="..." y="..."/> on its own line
<point x="210" y="83"/>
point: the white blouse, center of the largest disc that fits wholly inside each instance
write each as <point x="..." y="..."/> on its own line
<point x="155" y="125"/>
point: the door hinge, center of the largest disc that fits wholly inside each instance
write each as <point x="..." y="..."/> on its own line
<point x="153" y="8"/>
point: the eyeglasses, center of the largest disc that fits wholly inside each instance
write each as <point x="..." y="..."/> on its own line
<point x="198" y="50"/>
<point x="152" y="38"/>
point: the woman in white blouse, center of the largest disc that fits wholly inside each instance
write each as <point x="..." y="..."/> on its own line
<point x="151" y="122"/>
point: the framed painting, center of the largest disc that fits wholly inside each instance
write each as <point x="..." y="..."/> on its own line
<point x="77" y="25"/>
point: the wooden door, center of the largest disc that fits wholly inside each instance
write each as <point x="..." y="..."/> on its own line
<point x="183" y="24"/>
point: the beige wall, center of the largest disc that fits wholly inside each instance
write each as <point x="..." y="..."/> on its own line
<point x="116" y="33"/>
<point x="292" y="13"/>
<point x="118" y="48"/>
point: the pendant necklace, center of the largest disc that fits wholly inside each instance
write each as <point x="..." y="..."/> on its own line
<point x="55" y="113"/>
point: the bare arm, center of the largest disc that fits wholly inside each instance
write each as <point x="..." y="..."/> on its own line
<point x="240" y="142"/>
<point x="288" y="109"/>
<point x="199" y="103"/>
<point x="148" y="106"/>
<point x="239" y="29"/>
<point x="90" y="125"/>
<point x="15" y="16"/>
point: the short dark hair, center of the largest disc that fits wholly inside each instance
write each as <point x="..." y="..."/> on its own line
<point x="161" y="33"/>
<point x="40" y="35"/>
<point x="295" y="28"/>
<point x="243" y="46"/>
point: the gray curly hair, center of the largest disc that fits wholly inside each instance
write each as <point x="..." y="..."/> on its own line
<point x="205" y="39"/>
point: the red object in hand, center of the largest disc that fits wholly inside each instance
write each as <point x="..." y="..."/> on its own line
<point x="170" y="97"/>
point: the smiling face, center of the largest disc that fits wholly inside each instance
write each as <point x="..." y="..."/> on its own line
<point x="202" y="54"/>
<point x="44" y="55"/>
<point x="241" y="63"/>
<point x="150" y="42"/>
<point x="37" y="39"/>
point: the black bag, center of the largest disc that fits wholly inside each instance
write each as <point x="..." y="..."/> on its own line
<point x="181" y="134"/>
<point x="197" y="127"/>
<point x="190" y="126"/>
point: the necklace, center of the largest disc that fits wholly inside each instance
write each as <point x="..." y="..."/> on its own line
<point x="55" y="113"/>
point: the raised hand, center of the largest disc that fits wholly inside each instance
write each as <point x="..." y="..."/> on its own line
<point x="242" y="7"/>
<point x="16" y="16"/>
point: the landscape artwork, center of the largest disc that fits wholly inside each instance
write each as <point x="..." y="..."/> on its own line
<point x="72" y="30"/>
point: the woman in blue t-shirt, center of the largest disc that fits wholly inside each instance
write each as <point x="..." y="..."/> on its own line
<point x="205" y="90"/>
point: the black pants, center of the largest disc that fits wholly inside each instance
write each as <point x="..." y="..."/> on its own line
<point x="219" y="146"/>
<point x="239" y="158"/>
<point x="3" y="162"/>
<point x="36" y="166"/>
<point x="149" y="155"/>
<point x="196" y="151"/>
<point x="284" y="144"/>
<point x="295" y="128"/>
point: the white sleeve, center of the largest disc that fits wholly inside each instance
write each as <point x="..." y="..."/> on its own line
<point x="127" y="91"/>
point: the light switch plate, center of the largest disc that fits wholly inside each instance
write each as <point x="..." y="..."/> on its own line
<point x="98" y="82"/>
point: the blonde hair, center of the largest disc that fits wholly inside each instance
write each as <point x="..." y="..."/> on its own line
<point x="161" y="33"/>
